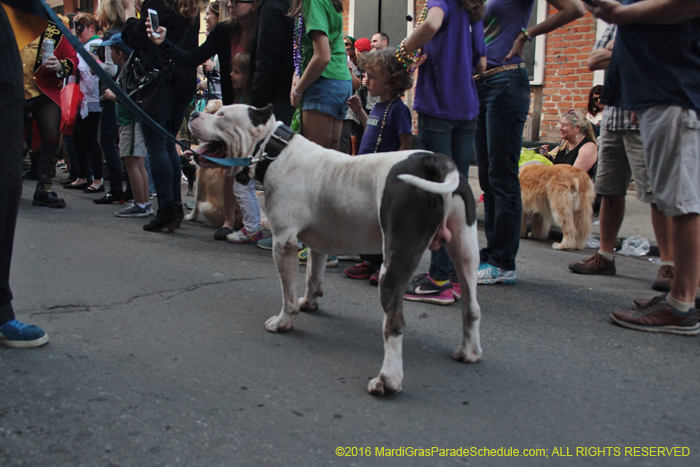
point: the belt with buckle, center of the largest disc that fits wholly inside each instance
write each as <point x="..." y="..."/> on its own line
<point x="497" y="70"/>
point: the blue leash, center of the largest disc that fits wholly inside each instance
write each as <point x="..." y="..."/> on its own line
<point x="124" y="99"/>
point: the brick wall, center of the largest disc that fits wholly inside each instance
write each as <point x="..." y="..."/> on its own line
<point x="567" y="80"/>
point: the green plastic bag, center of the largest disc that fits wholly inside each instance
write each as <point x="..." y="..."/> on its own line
<point x="296" y="120"/>
<point x="529" y="155"/>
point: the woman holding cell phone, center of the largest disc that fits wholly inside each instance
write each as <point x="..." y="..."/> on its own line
<point x="181" y="18"/>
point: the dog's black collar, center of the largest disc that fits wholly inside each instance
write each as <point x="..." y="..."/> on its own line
<point x="277" y="142"/>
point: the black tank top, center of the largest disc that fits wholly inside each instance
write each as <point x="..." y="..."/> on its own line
<point x="569" y="157"/>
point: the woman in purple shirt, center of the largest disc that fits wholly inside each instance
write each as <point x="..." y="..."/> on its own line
<point x="504" y="94"/>
<point x="452" y="41"/>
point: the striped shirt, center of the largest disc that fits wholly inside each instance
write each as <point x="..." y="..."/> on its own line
<point x="614" y="118"/>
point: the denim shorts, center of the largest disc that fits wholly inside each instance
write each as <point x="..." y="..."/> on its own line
<point x="328" y="96"/>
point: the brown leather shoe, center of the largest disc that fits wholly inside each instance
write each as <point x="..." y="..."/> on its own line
<point x="657" y="315"/>
<point x="596" y="264"/>
<point x="664" y="278"/>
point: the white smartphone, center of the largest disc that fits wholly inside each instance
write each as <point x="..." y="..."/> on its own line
<point x="153" y="17"/>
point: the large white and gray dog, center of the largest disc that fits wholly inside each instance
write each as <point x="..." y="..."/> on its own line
<point x="396" y="203"/>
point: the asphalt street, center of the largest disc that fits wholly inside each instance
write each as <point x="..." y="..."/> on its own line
<point x="158" y="357"/>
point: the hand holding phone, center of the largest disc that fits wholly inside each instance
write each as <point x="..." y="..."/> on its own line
<point x="153" y="18"/>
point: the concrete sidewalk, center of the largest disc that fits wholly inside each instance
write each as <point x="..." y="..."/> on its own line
<point x="637" y="219"/>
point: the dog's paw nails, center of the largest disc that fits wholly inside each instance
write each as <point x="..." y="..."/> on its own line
<point x="275" y="324"/>
<point x="466" y="357"/>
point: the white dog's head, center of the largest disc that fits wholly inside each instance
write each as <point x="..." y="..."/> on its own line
<point x="232" y="131"/>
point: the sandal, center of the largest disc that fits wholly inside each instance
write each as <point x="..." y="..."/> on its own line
<point x="92" y="189"/>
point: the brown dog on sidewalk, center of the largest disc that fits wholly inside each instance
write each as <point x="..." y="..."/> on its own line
<point x="560" y="193"/>
<point x="209" y="190"/>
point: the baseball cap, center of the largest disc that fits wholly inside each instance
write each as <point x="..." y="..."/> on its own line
<point x="116" y="41"/>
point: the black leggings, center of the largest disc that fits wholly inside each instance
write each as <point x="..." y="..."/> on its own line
<point x="87" y="147"/>
<point x="48" y="117"/>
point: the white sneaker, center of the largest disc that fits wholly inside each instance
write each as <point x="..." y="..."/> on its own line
<point x="489" y="274"/>
<point x="243" y="236"/>
<point x="149" y="209"/>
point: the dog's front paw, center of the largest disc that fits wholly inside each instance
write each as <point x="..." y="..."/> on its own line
<point x="382" y="385"/>
<point x="278" y="324"/>
<point x="190" y="217"/>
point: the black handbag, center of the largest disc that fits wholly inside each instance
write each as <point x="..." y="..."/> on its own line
<point x="146" y="87"/>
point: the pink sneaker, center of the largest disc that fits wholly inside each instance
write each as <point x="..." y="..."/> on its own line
<point x="456" y="288"/>
<point x="424" y="289"/>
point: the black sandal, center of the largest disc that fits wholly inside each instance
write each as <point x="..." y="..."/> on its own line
<point x="92" y="189"/>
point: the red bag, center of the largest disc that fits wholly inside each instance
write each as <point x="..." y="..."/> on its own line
<point x="71" y="97"/>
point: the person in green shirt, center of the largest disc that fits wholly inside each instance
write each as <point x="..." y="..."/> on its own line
<point x="322" y="82"/>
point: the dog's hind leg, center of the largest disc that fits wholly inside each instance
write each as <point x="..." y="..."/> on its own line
<point x="284" y="253"/>
<point x="315" y="266"/>
<point x="464" y="253"/>
<point x="563" y="213"/>
<point x="404" y="244"/>
<point x="394" y="274"/>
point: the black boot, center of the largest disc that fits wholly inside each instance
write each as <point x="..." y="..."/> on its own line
<point x="167" y="217"/>
<point x="180" y="213"/>
<point x="44" y="195"/>
<point x="33" y="172"/>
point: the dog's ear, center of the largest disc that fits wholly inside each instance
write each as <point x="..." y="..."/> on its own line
<point x="260" y="116"/>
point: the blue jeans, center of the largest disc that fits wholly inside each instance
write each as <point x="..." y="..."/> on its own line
<point x="11" y="122"/>
<point x="505" y="100"/>
<point x="165" y="163"/>
<point x="454" y="138"/>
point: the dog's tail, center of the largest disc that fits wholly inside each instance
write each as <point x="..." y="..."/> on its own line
<point x="442" y="188"/>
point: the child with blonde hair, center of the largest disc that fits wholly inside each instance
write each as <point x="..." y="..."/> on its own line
<point x="387" y="127"/>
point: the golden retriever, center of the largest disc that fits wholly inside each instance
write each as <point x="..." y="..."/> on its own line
<point x="560" y="193"/>
<point x="209" y="190"/>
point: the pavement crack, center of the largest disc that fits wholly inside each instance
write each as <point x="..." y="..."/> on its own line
<point x="157" y="295"/>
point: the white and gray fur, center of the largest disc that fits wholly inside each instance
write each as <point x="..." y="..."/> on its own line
<point x="396" y="203"/>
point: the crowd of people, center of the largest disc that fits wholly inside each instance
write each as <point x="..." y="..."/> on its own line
<point x="472" y="98"/>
